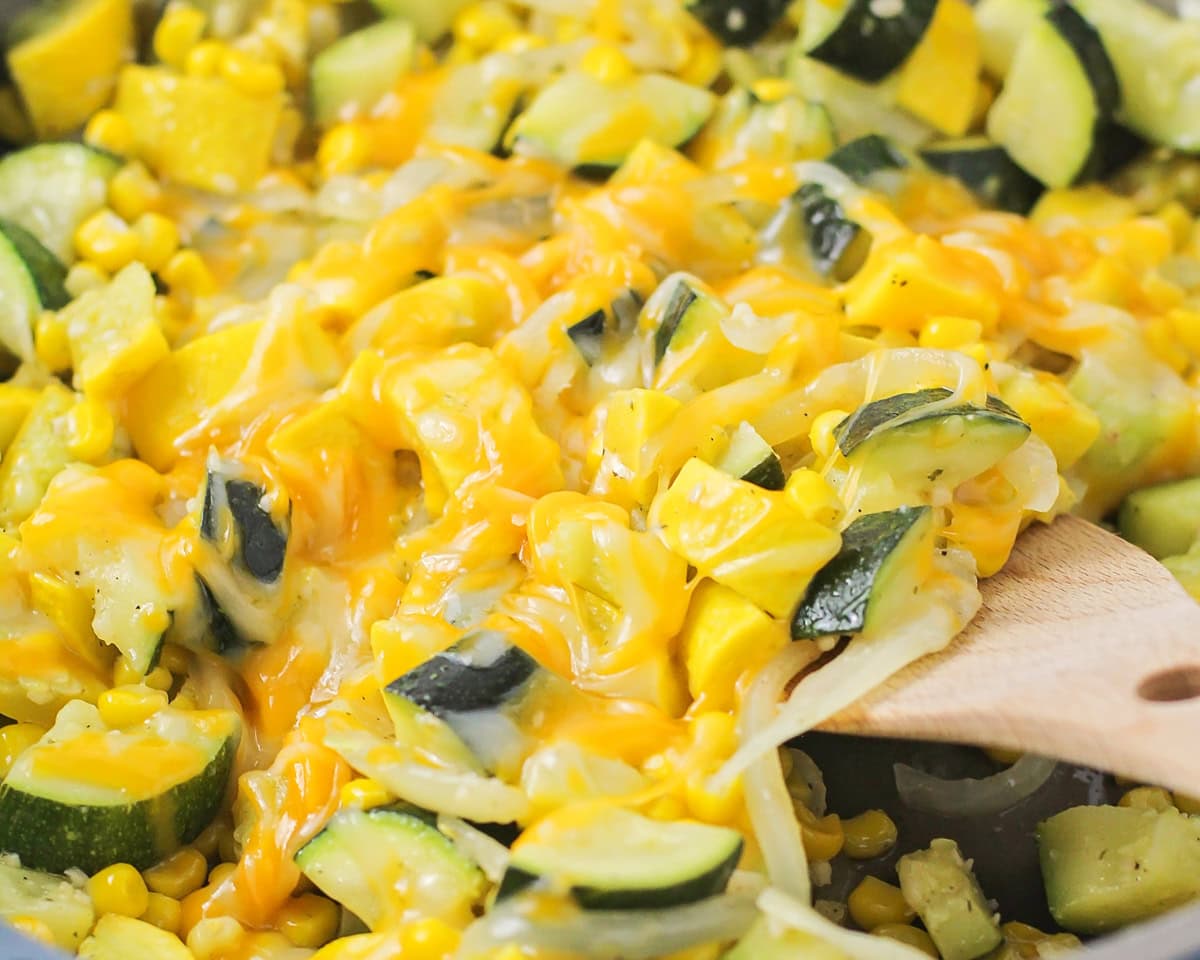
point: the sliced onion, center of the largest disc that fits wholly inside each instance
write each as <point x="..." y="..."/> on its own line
<point x="796" y="915"/>
<point x="491" y="855"/>
<point x="609" y="934"/>
<point x="969" y="797"/>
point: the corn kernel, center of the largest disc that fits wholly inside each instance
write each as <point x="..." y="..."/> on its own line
<point x="164" y="912"/>
<point x="119" y="889"/>
<point x="204" y="59"/>
<point x="364" y="793"/>
<point x="607" y="64"/>
<point x="704" y="61"/>
<point x="177" y="34"/>
<point x="906" y="933"/>
<point x="1147" y="798"/>
<point x="874" y="902"/>
<point x="214" y="937"/>
<point x="187" y="272"/>
<point x="344" y="148"/>
<point x="158" y="239"/>
<point x="132" y="192"/>
<point x="520" y="42"/>
<point x="568" y="28"/>
<point x="1177" y="219"/>
<point x="84" y="276"/>
<point x="822" y="837"/>
<point x="227" y="846"/>
<point x="125" y="673"/>
<point x="252" y="77"/>
<point x="106" y="240"/>
<point x="33" y="927"/>
<point x="820" y="435"/>
<point x="180" y="874"/>
<point x="126" y="706"/>
<point x="429" y="939"/>
<point x="870" y="834"/>
<point x="811" y="495"/>
<point x="159" y="678"/>
<point x="15" y="739"/>
<point x="209" y="840"/>
<point x="771" y="89"/>
<point x="191" y="910"/>
<point x="51" y="343"/>
<point x="109" y="130"/>
<point x="482" y="26"/>
<point x="949" y="333"/>
<point x="309" y="920"/>
<point x="90" y="430"/>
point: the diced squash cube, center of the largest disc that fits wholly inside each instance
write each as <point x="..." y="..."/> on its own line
<point x="436" y="313"/>
<point x="38" y="673"/>
<point x="114" y="334"/>
<point x="749" y="539"/>
<point x="1067" y="426"/>
<point x="466" y="417"/>
<point x="939" y="82"/>
<point x="67" y="68"/>
<point x="41" y="448"/>
<point x="407" y="640"/>
<point x="723" y="635"/>
<point x="622" y="424"/>
<point x="199" y="131"/>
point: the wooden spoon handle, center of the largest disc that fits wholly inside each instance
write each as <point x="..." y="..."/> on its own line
<point x="1086" y="650"/>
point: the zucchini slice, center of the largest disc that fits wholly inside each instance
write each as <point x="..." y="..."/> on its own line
<point x="245" y="521"/>
<point x="867" y="155"/>
<point x="618" y="116"/>
<point x="749" y="457"/>
<point x="940" y="886"/>
<point x="476" y="102"/>
<point x="837" y="245"/>
<point x="355" y="72"/>
<point x="880" y="562"/>
<point x="389" y="864"/>
<point x="31" y="279"/>
<point x="738" y="23"/>
<point x="986" y="169"/>
<point x="1059" y="94"/>
<point x="51" y="188"/>
<point x="1164" y="520"/>
<point x="919" y="442"/>
<point x="614" y="859"/>
<point x="602" y="333"/>
<point x="1001" y="25"/>
<point x="430" y="18"/>
<point x="64" y="908"/>
<point x="86" y="796"/>
<point x="865" y="38"/>
<point x="743" y="128"/>
<point x="1106" y="866"/>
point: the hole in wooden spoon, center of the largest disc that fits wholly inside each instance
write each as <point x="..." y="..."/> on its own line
<point x="1170" y="686"/>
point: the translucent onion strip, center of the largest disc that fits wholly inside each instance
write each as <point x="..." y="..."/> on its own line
<point x="796" y="915"/>
<point x="973" y="797"/>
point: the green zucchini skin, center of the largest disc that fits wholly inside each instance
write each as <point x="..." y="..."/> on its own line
<point x="44" y="267"/>
<point x="738" y="23"/>
<point x="1164" y="520"/>
<point x="837" y="245"/>
<point x="986" y="169"/>
<point x="839" y="596"/>
<point x="262" y="544"/>
<point x="866" y="155"/>
<point x="768" y="474"/>
<point x="1085" y="40"/>
<point x="56" y="836"/>
<point x="869" y="46"/>
<point x="677" y="308"/>
<point x="593" y="335"/>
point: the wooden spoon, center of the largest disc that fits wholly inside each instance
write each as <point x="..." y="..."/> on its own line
<point x="1086" y="650"/>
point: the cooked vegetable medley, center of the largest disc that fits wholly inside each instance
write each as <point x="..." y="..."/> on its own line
<point x="451" y="451"/>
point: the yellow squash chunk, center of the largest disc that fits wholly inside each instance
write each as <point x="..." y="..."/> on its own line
<point x="723" y="635"/>
<point x="67" y="68"/>
<point x="114" y="334"/>
<point x="620" y="468"/>
<point x="749" y="539"/>
<point x="939" y="82"/>
<point x="38" y="673"/>
<point x="200" y="131"/>
<point x="466" y="418"/>
<point x="1067" y="426"/>
<point x="41" y="448"/>
<point x="436" y="313"/>
<point x="15" y="404"/>
<point x="69" y="608"/>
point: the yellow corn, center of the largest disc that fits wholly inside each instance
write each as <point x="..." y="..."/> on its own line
<point x="119" y="889"/>
<point x="33" y="927"/>
<point x="90" y="430"/>
<point x="344" y="148"/>
<point x="163" y="911"/>
<point x="123" y="707"/>
<point x="771" y="89"/>
<point x="221" y="872"/>
<point x="15" y="739"/>
<point x="520" y="42"/>
<point x="482" y="26"/>
<point x="187" y="272"/>
<point x="158" y="239"/>
<point x="204" y="59"/>
<point x="949" y="333"/>
<point x="811" y="495"/>
<point x="870" y="834"/>
<point x="214" y="937"/>
<point x="175" y="658"/>
<point x="874" y="902"/>
<point x="106" y="240"/>
<point x="607" y="64"/>
<point x="820" y="434"/>
<point x="177" y="34"/>
<point x="309" y="920"/>
<point x="109" y="131"/>
<point x="1147" y="798"/>
<point x="428" y="939"/>
<point x="906" y="933"/>
<point x="251" y="76"/>
<point x="704" y="62"/>
<point x="181" y="873"/>
<point x="364" y="793"/>
<point x="84" y="276"/>
<point x="159" y="679"/>
<point x="132" y="192"/>
<point x="822" y="837"/>
<point x="125" y="673"/>
<point x="51" y="343"/>
<point x="209" y="840"/>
